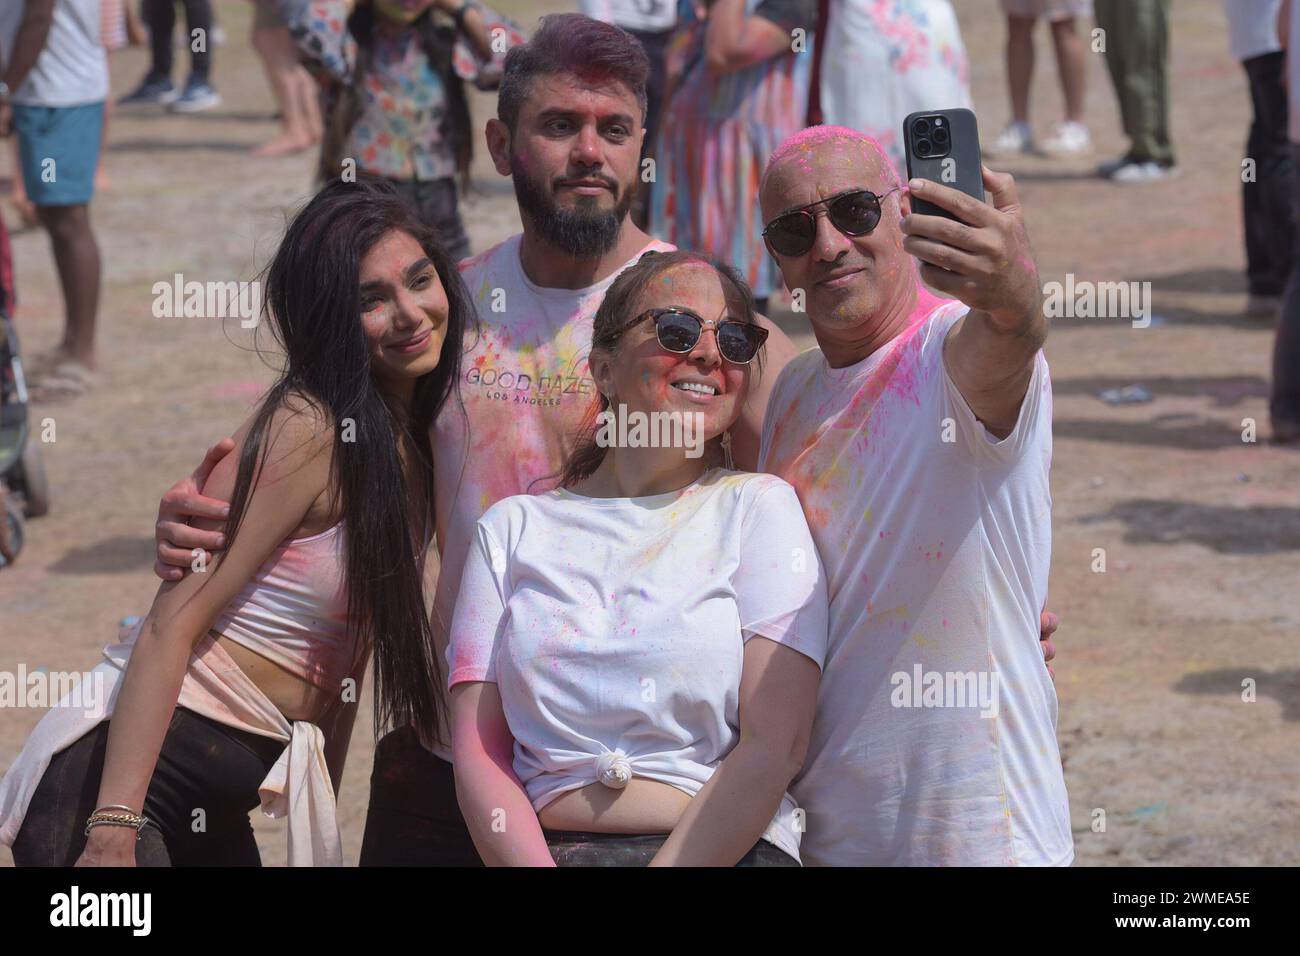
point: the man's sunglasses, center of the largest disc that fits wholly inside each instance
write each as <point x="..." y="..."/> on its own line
<point x="679" y="330"/>
<point x="855" y="213"/>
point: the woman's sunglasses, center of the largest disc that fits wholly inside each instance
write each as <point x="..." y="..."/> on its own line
<point x="854" y="214"/>
<point x="679" y="330"/>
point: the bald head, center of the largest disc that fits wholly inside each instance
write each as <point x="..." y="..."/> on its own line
<point x="823" y="154"/>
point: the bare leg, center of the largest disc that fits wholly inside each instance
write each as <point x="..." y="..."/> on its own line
<point x="76" y="255"/>
<point x="1071" y="64"/>
<point x="101" y="177"/>
<point x="280" y="61"/>
<point x="135" y="32"/>
<point x="309" y="103"/>
<point x="1020" y="64"/>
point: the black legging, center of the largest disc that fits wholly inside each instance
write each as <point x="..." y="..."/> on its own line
<point x="414" y="817"/>
<point x="160" y="15"/>
<point x="203" y="765"/>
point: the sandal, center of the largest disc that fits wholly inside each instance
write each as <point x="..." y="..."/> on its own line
<point x="67" y="379"/>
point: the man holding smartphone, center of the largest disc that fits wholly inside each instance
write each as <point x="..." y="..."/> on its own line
<point x="919" y="441"/>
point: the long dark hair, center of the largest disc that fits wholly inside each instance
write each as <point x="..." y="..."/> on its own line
<point x="617" y="308"/>
<point x="313" y="307"/>
<point x="438" y="41"/>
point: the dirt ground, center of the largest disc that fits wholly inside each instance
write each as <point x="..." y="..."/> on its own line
<point x="1201" y="530"/>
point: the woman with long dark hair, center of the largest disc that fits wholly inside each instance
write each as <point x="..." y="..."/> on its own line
<point x="635" y="656"/>
<point x="244" y="677"/>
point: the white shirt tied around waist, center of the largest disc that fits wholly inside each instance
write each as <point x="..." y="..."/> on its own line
<point x="298" y="786"/>
<point x="615" y="627"/>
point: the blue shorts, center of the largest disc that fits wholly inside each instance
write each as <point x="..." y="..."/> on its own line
<point x="59" y="149"/>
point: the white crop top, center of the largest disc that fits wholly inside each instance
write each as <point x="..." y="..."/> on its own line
<point x="614" y="628"/>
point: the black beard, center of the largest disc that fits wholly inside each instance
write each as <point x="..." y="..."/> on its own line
<point x="575" y="232"/>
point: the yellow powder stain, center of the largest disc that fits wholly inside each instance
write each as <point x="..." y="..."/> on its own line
<point x="899" y="612"/>
<point x="920" y="641"/>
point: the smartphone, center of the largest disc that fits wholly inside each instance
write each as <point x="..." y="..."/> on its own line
<point x="944" y="146"/>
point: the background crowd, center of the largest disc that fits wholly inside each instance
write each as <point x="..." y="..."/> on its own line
<point x="732" y="82"/>
<point x="730" y="79"/>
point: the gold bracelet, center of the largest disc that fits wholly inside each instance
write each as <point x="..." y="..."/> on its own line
<point x="114" y="818"/>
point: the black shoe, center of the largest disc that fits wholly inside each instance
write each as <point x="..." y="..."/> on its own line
<point x="156" y="92"/>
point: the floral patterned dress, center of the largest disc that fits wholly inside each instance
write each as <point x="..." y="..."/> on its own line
<point x="404" y="131"/>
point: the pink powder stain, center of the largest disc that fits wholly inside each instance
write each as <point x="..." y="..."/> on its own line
<point x="801" y="145"/>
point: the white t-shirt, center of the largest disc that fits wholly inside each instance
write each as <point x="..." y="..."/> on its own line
<point x="525" y="388"/>
<point x="614" y="628"/>
<point x="936" y="539"/>
<point x="648" y="16"/>
<point x="1252" y="27"/>
<point x="72" y="69"/>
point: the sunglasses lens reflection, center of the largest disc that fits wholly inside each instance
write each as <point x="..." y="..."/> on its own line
<point x="737" y="342"/>
<point x="856" y="214"/>
<point x="792" y="235"/>
<point x="677" y="332"/>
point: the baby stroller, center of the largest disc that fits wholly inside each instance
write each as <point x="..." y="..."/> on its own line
<point x="22" y="472"/>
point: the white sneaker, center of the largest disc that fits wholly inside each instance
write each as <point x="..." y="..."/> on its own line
<point x="1016" y="138"/>
<point x="1069" y="139"/>
<point x="1107" y="169"/>
<point x="1137" y="173"/>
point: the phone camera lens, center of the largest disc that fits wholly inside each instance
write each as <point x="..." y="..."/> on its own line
<point x="940" y="137"/>
<point x="921" y="127"/>
<point x="923" y="147"/>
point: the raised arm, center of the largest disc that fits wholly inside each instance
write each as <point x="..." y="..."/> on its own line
<point x="986" y="262"/>
<point x="497" y="810"/>
<point x="474" y="24"/>
<point x="319" y="28"/>
<point x="295" y="475"/>
<point x="778" y="696"/>
<point x="734" y="41"/>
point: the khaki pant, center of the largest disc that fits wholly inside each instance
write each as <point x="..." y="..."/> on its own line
<point x="1137" y="55"/>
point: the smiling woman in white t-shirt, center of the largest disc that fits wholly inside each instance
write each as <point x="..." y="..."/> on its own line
<point x="634" y="656"/>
